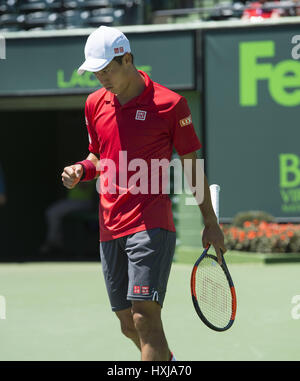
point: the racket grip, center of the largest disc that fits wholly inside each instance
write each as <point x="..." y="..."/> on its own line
<point x="214" y="194"/>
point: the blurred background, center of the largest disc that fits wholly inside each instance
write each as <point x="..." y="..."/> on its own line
<point x="238" y="65"/>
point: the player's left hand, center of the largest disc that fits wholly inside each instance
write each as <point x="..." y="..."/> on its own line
<point x="213" y="235"/>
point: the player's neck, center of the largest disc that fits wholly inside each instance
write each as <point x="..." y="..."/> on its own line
<point x="135" y="87"/>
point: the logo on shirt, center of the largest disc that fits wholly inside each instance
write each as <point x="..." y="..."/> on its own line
<point x="140" y="115"/>
<point x="186" y="121"/>
<point x="144" y="290"/>
<point x="136" y="289"/>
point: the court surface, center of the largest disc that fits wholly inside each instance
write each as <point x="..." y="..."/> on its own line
<point x="60" y="311"/>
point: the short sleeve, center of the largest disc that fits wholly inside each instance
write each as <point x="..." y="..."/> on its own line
<point x="185" y="139"/>
<point x="93" y="139"/>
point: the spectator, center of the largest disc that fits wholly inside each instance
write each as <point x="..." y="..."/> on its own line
<point x="78" y="199"/>
<point x="256" y="11"/>
<point x="297" y="7"/>
<point x="2" y="188"/>
<point x="293" y="10"/>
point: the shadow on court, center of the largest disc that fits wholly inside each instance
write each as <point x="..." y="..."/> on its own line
<point x="60" y="311"/>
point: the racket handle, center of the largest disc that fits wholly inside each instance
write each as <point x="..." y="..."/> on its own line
<point x="214" y="193"/>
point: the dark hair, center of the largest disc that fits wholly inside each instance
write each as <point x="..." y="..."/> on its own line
<point x="119" y="59"/>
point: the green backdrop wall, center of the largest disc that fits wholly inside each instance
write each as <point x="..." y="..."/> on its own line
<point x="252" y="108"/>
<point x="243" y="88"/>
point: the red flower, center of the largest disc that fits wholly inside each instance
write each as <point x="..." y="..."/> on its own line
<point x="263" y="225"/>
<point x="251" y="234"/>
<point x="269" y="234"/>
<point x="242" y="236"/>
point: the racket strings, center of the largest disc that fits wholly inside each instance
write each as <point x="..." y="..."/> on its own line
<point x="213" y="293"/>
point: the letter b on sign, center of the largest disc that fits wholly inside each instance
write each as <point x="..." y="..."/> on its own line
<point x="289" y="165"/>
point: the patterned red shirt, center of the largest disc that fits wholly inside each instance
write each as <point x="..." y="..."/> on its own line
<point x="147" y="127"/>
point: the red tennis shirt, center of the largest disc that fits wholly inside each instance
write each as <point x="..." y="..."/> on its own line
<point x="145" y="128"/>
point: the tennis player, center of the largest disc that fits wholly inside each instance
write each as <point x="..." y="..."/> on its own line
<point x="141" y="119"/>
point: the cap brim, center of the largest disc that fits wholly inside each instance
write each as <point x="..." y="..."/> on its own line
<point x="93" y="65"/>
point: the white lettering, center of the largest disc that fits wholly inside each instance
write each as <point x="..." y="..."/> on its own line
<point x="2" y="307"/>
<point x="295" y="312"/>
<point x="296" y="49"/>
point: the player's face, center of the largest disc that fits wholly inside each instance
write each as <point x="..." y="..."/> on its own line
<point x="114" y="77"/>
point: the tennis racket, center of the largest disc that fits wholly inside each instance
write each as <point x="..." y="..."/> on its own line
<point x="213" y="292"/>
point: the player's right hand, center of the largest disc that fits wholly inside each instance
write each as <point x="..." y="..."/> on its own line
<point x="72" y="175"/>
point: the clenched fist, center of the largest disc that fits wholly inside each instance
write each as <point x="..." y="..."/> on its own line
<point x="72" y="175"/>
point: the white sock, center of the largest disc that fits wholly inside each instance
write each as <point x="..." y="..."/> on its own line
<point x="173" y="358"/>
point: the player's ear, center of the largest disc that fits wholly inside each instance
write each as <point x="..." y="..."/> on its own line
<point x="127" y="58"/>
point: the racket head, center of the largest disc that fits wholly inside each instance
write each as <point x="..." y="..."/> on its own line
<point x="209" y="281"/>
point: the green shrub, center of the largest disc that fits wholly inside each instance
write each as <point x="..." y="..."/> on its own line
<point x="252" y="215"/>
<point x="294" y="244"/>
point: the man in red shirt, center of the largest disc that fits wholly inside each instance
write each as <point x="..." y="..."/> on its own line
<point x="256" y="11"/>
<point x="133" y="121"/>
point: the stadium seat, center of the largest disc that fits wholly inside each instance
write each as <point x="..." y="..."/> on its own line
<point x="32" y="5"/>
<point x="118" y="3"/>
<point x="223" y="11"/>
<point x="52" y="14"/>
<point x="54" y="5"/>
<point x="43" y="20"/>
<point x="75" y="19"/>
<point x="105" y="16"/>
<point x="237" y="9"/>
<point x="100" y="20"/>
<point x="11" y="22"/>
<point x="73" y="4"/>
<point x="8" y="6"/>
<point x="39" y="5"/>
<point x="3" y="9"/>
<point x="94" y="4"/>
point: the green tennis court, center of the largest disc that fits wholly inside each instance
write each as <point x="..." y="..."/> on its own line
<point x="60" y="311"/>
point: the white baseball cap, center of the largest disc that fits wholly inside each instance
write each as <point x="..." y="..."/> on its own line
<point x="101" y="47"/>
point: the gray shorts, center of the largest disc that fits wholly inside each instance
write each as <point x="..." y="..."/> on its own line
<point x="137" y="266"/>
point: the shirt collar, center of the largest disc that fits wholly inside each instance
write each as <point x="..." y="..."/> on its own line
<point x="142" y="100"/>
